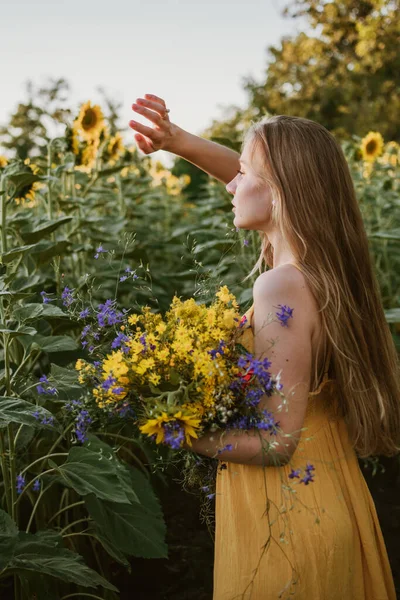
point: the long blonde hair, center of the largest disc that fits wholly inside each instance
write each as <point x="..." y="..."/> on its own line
<point x="317" y="213"/>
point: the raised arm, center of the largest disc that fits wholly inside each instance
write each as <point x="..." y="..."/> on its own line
<point x="216" y="160"/>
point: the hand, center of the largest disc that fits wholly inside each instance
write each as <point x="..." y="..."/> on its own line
<point x="151" y="139"/>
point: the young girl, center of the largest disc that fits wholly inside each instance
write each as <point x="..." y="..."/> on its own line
<point x="299" y="521"/>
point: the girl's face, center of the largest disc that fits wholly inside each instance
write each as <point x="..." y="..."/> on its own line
<point x="252" y="197"/>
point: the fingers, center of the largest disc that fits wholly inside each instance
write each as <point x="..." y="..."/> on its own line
<point x="153" y="116"/>
<point x="147" y="131"/>
<point x="144" y="144"/>
<point x="155" y="99"/>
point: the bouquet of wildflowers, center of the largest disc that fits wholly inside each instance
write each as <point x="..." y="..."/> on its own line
<point x="183" y="373"/>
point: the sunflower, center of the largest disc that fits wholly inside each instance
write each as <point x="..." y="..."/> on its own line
<point x="372" y="146"/>
<point x="90" y="121"/>
<point x="156" y="426"/>
<point x="115" y="147"/>
<point x="72" y="139"/>
<point x="26" y="196"/>
<point x="391" y="154"/>
<point x="3" y="161"/>
<point x="86" y="159"/>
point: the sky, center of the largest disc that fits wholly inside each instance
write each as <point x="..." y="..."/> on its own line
<point x="192" y="53"/>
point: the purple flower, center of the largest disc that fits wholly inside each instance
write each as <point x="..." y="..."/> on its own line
<point x="237" y="229"/>
<point x="119" y="340"/>
<point x="84" y="313"/>
<point x="83" y="421"/>
<point x="45" y="297"/>
<point x="284" y="314"/>
<point x="227" y="447"/>
<point x="107" y="315"/>
<point x="123" y="278"/>
<point x="210" y="496"/>
<point x="219" y="350"/>
<point x="99" y="250"/>
<point x="108" y="383"/>
<point x="245" y="242"/>
<point x="294" y="473"/>
<point x="46" y="388"/>
<point x="67" y="297"/>
<point x="20" y="483"/>
<point x="36" y="485"/>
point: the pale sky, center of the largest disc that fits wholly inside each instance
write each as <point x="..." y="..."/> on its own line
<point x="192" y="53"/>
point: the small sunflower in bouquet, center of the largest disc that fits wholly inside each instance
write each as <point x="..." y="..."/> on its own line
<point x="184" y="373"/>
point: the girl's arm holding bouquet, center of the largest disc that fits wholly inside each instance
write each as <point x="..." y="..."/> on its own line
<point x="291" y="355"/>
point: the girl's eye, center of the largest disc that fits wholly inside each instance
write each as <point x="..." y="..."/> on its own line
<point x="241" y="172"/>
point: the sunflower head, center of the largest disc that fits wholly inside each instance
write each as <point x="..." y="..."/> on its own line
<point x="372" y="146"/>
<point x="90" y="121"/>
<point x="26" y="194"/>
<point x="72" y="139"/>
<point x="86" y="159"/>
<point x="115" y="148"/>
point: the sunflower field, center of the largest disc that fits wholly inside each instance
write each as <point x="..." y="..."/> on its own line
<point x="91" y="229"/>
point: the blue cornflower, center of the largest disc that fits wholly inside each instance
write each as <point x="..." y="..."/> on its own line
<point x="46" y="389"/>
<point x="284" y="314"/>
<point x="107" y="315"/>
<point x="173" y="435"/>
<point x="20" y="483"/>
<point x="99" y="250"/>
<point x="83" y="421"/>
<point x="67" y="297"/>
<point x="119" y="340"/>
<point x="46" y="298"/>
<point x="227" y="447"/>
<point x="108" y="383"/>
<point x="294" y="473"/>
<point x="219" y="350"/>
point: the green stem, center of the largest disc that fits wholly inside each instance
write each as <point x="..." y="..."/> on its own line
<point x="58" y="440"/>
<point x="3" y="206"/>
<point x="14" y="511"/>
<point x="80" y="594"/>
<point x="35" y="506"/>
<point x="43" y="458"/>
<point x="31" y="482"/>
<point x="4" y="469"/>
<point x="74" y="523"/>
<point x="65" y="508"/>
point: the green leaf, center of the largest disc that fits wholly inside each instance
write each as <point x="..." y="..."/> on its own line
<point x="20" y="331"/>
<point x="55" y="343"/>
<point x="42" y="554"/>
<point x="131" y="528"/>
<point x="391" y="234"/>
<point x="31" y="311"/>
<point x="8" y="538"/>
<point x="30" y="236"/>
<point x="15" y="410"/>
<point x="45" y="250"/>
<point x="88" y="471"/>
<point x="7" y="257"/>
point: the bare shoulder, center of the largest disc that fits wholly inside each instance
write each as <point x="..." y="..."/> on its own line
<point x="286" y="285"/>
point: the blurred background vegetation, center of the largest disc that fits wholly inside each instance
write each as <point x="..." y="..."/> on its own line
<point x="346" y="76"/>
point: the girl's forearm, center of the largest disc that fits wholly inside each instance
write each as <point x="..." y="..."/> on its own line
<point x="247" y="447"/>
<point x="216" y="160"/>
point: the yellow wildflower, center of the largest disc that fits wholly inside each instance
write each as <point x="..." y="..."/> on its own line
<point x="3" y="161"/>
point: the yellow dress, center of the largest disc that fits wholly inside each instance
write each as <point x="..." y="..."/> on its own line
<point x="275" y="538"/>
